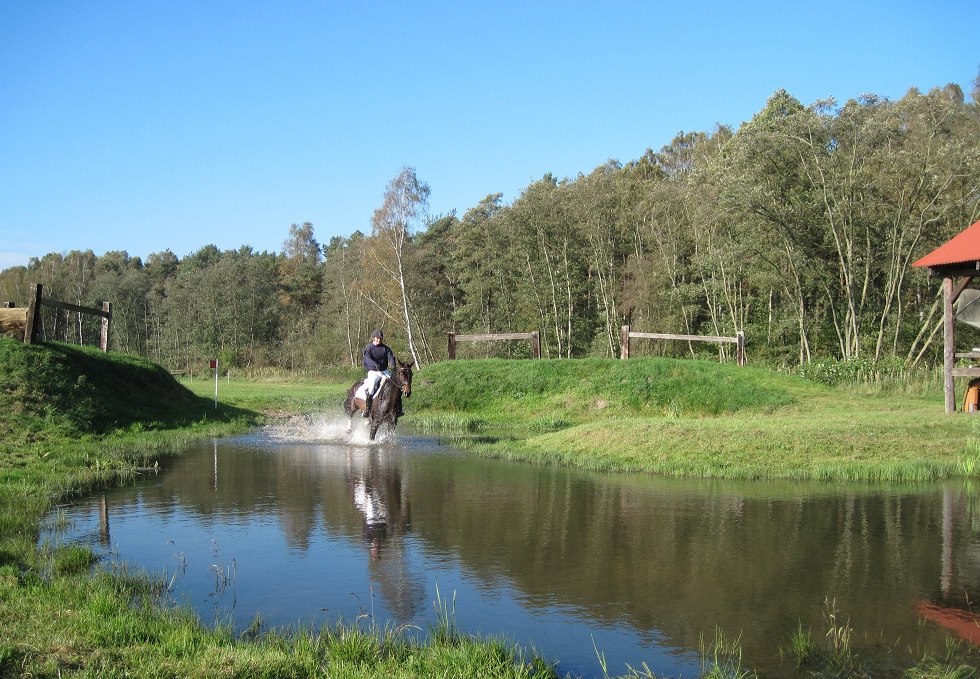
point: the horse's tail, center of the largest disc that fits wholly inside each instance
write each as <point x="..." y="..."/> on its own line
<point x="349" y="406"/>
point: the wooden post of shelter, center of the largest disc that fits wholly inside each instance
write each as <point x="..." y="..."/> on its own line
<point x="949" y="346"/>
<point x="958" y="257"/>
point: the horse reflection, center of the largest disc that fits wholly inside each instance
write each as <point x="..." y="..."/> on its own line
<point x="370" y="500"/>
<point x="379" y="494"/>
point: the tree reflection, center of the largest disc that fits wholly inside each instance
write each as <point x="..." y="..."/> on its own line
<point x="103" y="521"/>
<point x="666" y="558"/>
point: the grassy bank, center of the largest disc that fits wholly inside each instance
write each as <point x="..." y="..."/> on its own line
<point x="692" y="418"/>
<point x="74" y="418"/>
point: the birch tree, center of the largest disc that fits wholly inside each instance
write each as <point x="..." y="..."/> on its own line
<point x="402" y="210"/>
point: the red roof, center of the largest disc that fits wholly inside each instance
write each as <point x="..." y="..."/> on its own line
<point x="963" y="247"/>
<point x="963" y="623"/>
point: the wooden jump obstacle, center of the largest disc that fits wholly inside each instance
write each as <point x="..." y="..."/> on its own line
<point x="26" y="321"/>
<point x="535" y="338"/>
<point x="626" y="335"/>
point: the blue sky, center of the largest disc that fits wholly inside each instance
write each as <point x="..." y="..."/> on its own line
<point x="144" y="126"/>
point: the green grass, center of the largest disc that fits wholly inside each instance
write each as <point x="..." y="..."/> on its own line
<point x="511" y="392"/>
<point x="273" y="397"/>
<point x="692" y="418"/>
<point x="109" y="625"/>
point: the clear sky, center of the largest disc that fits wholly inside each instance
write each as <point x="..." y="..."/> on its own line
<point x="144" y="125"/>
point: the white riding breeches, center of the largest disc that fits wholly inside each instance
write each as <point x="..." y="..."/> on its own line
<point x="372" y="381"/>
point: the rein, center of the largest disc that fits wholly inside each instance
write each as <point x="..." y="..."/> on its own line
<point x="397" y="381"/>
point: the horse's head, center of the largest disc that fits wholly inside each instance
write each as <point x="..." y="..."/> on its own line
<point x="402" y="377"/>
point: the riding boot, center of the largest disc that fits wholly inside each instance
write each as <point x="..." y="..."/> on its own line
<point x="367" y="406"/>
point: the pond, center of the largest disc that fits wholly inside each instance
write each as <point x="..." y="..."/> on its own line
<point x="301" y="526"/>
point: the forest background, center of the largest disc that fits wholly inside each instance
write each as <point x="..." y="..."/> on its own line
<point x="798" y="228"/>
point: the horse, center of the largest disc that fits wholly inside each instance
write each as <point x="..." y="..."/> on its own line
<point x="387" y="401"/>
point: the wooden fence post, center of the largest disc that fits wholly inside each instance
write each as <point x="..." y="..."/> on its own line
<point x="33" y="315"/>
<point x="104" y="333"/>
<point x="536" y="344"/>
<point x="740" y="347"/>
<point x="451" y="348"/>
<point x="624" y="342"/>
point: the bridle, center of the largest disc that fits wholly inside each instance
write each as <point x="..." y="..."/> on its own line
<point x="401" y="382"/>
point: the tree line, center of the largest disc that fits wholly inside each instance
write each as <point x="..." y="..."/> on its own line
<point x="799" y="228"/>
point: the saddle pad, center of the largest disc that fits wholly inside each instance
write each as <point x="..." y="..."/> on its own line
<point x="361" y="392"/>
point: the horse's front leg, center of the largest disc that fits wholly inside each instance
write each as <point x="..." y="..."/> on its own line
<point x="391" y="419"/>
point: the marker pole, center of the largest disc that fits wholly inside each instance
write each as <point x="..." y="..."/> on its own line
<point x="214" y="364"/>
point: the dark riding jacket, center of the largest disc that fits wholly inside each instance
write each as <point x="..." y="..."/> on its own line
<point x="378" y="357"/>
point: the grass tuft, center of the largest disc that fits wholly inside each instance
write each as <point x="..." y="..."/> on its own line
<point x="721" y="658"/>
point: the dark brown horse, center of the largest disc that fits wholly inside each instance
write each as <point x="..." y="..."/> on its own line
<point x="386" y="405"/>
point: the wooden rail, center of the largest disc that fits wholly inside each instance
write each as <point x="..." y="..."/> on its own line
<point x="972" y="370"/>
<point x="535" y="338"/>
<point x="626" y="335"/>
<point x="26" y="321"/>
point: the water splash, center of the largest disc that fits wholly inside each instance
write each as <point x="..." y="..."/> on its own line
<point x="321" y="427"/>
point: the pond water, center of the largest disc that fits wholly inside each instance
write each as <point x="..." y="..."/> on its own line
<point x="302" y="526"/>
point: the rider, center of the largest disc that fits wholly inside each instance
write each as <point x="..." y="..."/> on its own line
<point x="379" y="361"/>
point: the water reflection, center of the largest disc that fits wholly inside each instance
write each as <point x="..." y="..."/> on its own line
<point x="637" y="566"/>
<point x="377" y="487"/>
<point x="103" y="521"/>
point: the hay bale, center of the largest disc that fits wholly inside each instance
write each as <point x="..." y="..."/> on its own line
<point x="13" y="323"/>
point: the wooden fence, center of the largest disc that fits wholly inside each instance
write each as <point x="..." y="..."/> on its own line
<point x="26" y="321"/>
<point x="738" y="341"/>
<point x="535" y="338"/>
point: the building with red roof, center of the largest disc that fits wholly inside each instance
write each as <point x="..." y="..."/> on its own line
<point x="959" y="257"/>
